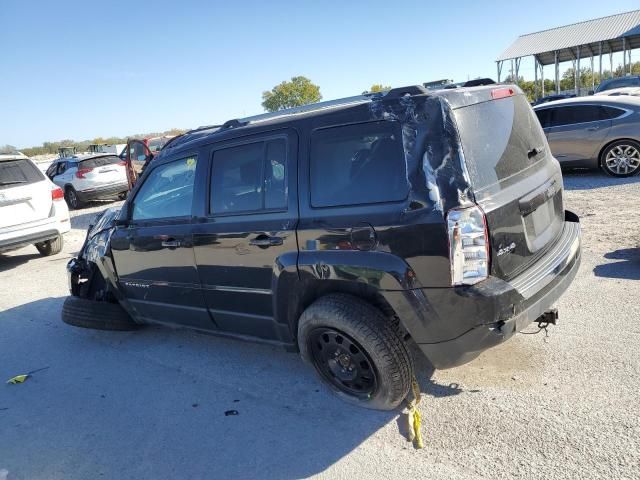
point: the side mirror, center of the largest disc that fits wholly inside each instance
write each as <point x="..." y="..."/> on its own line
<point x="591" y="92"/>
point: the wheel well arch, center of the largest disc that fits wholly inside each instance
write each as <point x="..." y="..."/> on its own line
<point x="611" y="142"/>
<point x="311" y="289"/>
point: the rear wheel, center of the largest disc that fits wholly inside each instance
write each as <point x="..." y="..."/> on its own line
<point x="72" y="199"/>
<point x="621" y="158"/>
<point x="50" y="247"/>
<point x="356" y="351"/>
<point x="81" y="312"/>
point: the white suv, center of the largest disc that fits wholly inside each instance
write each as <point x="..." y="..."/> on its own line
<point x="89" y="177"/>
<point x="32" y="209"/>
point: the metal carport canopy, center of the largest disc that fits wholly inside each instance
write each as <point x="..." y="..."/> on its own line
<point x="614" y="33"/>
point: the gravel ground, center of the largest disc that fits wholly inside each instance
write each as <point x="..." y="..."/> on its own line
<point x="151" y="404"/>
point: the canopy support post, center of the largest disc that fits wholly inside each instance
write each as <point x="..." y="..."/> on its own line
<point x="557" y="72"/>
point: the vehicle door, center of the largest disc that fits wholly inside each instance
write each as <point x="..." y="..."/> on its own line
<point x="63" y="174"/>
<point x="137" y="155"/>
<point x="575" y="132"/>
<point x="153" y="253"/>
<point x="248" y="231"/>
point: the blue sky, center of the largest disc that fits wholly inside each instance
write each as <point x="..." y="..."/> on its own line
<point x="79" y="69"/>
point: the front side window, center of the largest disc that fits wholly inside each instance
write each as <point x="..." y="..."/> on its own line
<point x="357" y="164"/>
<point x="249" y="178"/>
<point x="167" y="192"/>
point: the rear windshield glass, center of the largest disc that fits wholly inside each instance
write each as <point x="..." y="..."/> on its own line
<point x="18" y="172"/>
<point x="498" y="138"/>
<point x="358" y="164"/>
<point x="100" y="161"/>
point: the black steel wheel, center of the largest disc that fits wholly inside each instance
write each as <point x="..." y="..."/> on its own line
<point x="343" y="362"/>
<point x="356" y="350"/>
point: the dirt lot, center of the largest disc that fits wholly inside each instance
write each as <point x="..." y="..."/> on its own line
<point x="151" y="404"/>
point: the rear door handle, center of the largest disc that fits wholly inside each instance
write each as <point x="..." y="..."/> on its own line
<point x="265" y="241"/>
<point x="592" y="129"/>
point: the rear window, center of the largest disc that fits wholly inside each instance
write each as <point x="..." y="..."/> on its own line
<point x="496" y="137"/>
<point x="100" y="161"/>
<point x="18" y="172"/>
<point x="358" y="164"/>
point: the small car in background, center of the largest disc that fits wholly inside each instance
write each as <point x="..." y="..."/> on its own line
<point x="596" y="131"/>
<point x="32" y="208"/>
<point x="620" y="82"/>
<point x="89" y="177"/>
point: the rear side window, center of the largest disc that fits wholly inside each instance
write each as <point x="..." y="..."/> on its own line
<point x="578" y="114"/>
<point x="100" y="161"/>
<point x="358" y="164"/>
<point x="610" y="112"/>
<point x="18" y="172"/>
<point x="249" y="178"/>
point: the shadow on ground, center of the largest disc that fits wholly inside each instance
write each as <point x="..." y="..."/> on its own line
<point x="152" y="403"/>
<point x="628" y="268"/>
<point x="590" y="179"/>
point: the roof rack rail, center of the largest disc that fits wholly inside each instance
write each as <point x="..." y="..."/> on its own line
<point x="314" y="107"/>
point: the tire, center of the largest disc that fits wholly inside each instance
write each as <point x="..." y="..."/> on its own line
<point x="50" y="247"/>
<point x="621" y="158"/>
<point x="338" y="333"/>
<point x="71" y="197"/>
<point x="81" y="312"/>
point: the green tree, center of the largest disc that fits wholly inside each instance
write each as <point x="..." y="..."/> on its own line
<point x="378" y="87"/>
<point x="299" y="91"/>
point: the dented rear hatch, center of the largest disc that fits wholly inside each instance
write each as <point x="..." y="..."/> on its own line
<point x="515" y="179"/>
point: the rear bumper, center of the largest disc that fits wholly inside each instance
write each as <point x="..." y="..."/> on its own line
<point x="453" y="326"/>
<point x="29" y="238"/>
<point x="102" y="191"/>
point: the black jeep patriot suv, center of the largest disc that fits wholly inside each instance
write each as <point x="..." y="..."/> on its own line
<point x="344" y="229"/>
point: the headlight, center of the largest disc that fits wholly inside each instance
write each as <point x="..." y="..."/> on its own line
<point x="468" y="245"/>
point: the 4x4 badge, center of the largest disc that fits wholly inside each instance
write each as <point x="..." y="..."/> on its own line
<point x="507" y="249"/>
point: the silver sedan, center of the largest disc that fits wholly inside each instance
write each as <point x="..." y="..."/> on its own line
<point x="594" y="131"/>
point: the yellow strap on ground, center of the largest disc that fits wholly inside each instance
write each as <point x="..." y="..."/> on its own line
<point x="18" y="379"/>
<point x="413" y="416"/>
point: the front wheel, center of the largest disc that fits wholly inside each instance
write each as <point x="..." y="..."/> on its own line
<point x="356" y="351"/>
<point x="621" y="158"/>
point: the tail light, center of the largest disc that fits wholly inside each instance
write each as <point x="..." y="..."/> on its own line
<point x="502" y="93"/>
<point x="82" y="172"/>
<point x="57" y="194"/>
<point x="468" y="245"/>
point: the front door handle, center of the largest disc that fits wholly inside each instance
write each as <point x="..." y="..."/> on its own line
<point x="592" y="129"/>
<point x="265" y="241"/>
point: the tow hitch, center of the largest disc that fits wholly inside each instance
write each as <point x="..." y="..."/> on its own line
<point x="550" y="317"/>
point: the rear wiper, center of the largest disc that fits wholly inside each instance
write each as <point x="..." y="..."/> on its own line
<point x="14" y="182"/>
